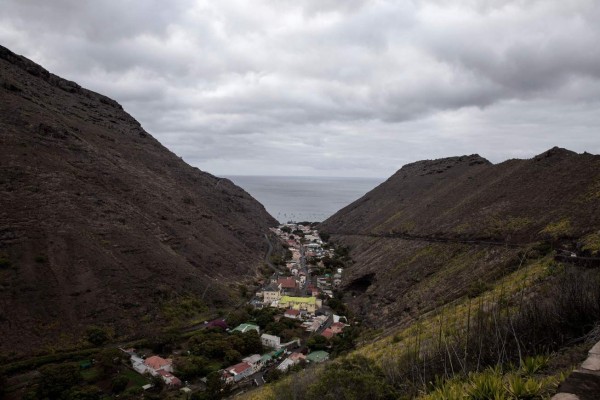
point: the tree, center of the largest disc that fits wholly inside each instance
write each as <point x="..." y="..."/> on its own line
<point x="216" y="388"/>
<point x="188" y="368"/>
<point x="317" y="342"/>
<point x="56" y="380"/>
<point x="85" y="393"/>
<point x="232" y="357"/>
<point x="286" y="229"/>
<point x="3" y="385"/>
<point x="119" y="384"/>
<point x="96" y="335"/>
<point x="108" y="361"/>
<point x="355" y="378"/>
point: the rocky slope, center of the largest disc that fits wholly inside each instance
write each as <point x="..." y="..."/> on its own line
<point x="99" y="223"/>
<point x="437" y="230"/>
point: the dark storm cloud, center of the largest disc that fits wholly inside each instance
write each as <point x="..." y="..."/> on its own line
<point x="330" y="87"/>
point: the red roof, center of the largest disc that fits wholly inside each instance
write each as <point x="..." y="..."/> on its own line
<point x="297" y="356"/>
<point x="239" y="368"/>
<point x="156" y="362"/>
<point x="337" y="327"/>
<point x="328" y="333"/>
<point x="292" y="312"/>
<point x="174" y="381"/>
<point x="287" y="283"/>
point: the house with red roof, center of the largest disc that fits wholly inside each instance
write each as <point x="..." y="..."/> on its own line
<point x="288" y="283"/>
<point x="237" y="372"/>
<point x="170" y="379"/>
<point x="338" y="327"/>
<point x="291" y="313"/>
<point x="328" y="333"/>
<point x="156" y="363"/>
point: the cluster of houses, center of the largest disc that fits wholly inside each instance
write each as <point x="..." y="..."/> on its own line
<point x="279" y="356"/>
<point x="298" y="294"/>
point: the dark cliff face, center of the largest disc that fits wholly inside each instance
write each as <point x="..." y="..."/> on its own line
<point x="99" y="223"/>
<point x="422" y="237"/>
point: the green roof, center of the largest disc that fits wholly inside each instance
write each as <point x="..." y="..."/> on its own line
<point x="246" y="327"/>
<point x="266" y="357"/>
<point x="304" y="300"/>
<point x="318" y="356"/>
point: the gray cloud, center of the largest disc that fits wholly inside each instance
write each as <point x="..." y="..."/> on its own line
<point x="330" y="87"/>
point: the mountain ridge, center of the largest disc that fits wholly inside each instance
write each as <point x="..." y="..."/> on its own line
<point x="435" y="228"/>
<point x="100" y="223"/>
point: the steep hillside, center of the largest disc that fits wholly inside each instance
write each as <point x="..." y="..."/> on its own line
<point x="99" y="223"/>
<point x="437" y="230"/>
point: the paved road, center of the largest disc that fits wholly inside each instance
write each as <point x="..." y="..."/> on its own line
<point x="406" y="236"/>
<point x="305" y="269"/>
<point x="268" y="256"/>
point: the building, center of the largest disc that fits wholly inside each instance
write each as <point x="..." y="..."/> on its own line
<point x="287" y="285"/>
<point x="254" y="360"/>
<point x="337" y="327"/>
<point x="309" y="304"/>
<point x="271" y="341"/>
<point x="318" y="356"/>
<point x="271" y="293"/>
<point x="237" y="372"/>
<point x="291" y="313"/>
<point x="156" y="366"/>
<point x="156" y="363"/>
<point x="243" y="328"/>
<point x="170" y="379"/>
<point x="293" y="359"/>
<point x="328" y="333"/>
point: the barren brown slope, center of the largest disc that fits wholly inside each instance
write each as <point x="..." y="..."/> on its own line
<point x="437" y="229"/>
<point x="101" y="224"/>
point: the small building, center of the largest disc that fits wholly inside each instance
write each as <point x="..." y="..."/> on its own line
<point x="337" y="327"/>
<point x="237" y="372"/>
<point x="169" y="379"/>
<point x="293" y="359"/>
<point x="328" y="333"/>
<point x="318" y="356"/>
<point x="287" y="285"/>
<point x="271" y="293"/>
<point x="243" y="328"/>
<point x="217" y="323"/>
<point x="271" y="341"/>
<point x="291" y="313"/>
<point x="309" y="304"/>
<point x="156" y="363"/>
<point x="254" y="361"/>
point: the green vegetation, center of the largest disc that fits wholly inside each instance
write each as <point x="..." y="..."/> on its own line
<point x="4" y="263"/>
<point x="214" y="344"/>
<point x="182" y="309"/>
<point x="591" y="243"/>
<point x="453" y="353"/>
<point x="556" y="230"/>
<point x="501" y="227"/>
<point x="97" y="336"/>
<point x="493" y="383"/>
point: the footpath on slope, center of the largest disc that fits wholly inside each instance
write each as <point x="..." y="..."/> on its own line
<point x="584" y="382"/>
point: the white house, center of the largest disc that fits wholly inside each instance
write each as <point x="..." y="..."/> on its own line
<point x="270" y="341"/>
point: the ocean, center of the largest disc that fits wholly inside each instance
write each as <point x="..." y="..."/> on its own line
<point x="314" y="199"/>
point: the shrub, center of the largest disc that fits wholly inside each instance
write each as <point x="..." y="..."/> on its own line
<point x="119" y="384"/>
<point x="96" y="335"/>
<point x="5" y="263"/>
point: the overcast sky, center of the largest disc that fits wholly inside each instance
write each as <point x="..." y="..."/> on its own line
<point x="327" y="87"/>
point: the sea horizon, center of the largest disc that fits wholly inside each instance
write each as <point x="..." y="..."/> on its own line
<point x="304" y="198"/>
